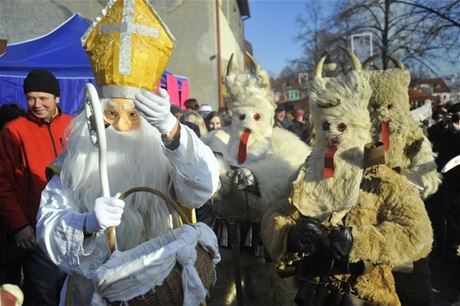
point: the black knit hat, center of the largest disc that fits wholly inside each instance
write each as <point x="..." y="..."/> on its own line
<point x="42" y="81"/>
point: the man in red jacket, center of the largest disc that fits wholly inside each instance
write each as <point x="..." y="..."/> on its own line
<point x="28" y="145"/>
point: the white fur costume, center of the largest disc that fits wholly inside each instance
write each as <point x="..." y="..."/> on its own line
<point x="273" y="156"/>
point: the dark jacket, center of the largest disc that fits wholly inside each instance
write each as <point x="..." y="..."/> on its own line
<point x="448" y="146"/>
<point x="300" y="129"/>
<point x="27" y="147"/>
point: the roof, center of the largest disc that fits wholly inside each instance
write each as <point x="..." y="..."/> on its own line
<point x="244" y="8"/>
<point x="418" y="96"/>
<point x="436" y="84"/>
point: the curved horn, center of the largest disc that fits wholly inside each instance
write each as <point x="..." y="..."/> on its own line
<point x="255" y="67"/>
<point x="354" y="59"/>
<point x="230" y="65"/>
<point x="319" y="65"/>
<point x="397" y="62"/>
<point x="369" y="61"/>
<point x="328" y="104"/>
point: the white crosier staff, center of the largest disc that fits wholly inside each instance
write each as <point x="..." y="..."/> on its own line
<point x="95" y="120"/>
<point x="454" y="162"/>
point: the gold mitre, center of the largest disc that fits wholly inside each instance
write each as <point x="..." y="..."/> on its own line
<point x="129" y="47"/>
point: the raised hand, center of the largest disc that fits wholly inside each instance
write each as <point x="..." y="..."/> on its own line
<point x="156" y="110"/>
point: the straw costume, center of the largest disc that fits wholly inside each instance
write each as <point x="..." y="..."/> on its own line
<point x="129" y="47"/>
<point x="350" y="219"/>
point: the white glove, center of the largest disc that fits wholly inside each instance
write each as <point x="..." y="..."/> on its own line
<point x="156" y="109"/>
<point x="107" y="212"/>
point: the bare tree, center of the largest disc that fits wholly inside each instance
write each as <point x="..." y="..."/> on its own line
<point x="314" y="37"/>
<point x="422" y="33"/>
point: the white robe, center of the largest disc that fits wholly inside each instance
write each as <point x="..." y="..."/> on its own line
<point x="194" y="173"/>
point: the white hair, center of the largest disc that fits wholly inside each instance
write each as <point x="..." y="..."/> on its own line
<point x="135" y="159"/>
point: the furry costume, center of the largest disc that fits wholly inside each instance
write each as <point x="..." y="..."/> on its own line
<point x="388" y="222"/>
<point x="409" y="150"/>
<point x="271" y="159"/>
<point x="273" y="154"/>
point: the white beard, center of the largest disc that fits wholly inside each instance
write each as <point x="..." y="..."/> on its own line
<point x="135" y="159"/>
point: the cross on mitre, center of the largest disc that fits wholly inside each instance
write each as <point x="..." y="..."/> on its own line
<point x="129" y="47"/>
<point x="127" y="27"/>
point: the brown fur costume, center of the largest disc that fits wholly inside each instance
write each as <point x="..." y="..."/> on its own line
<point x="389" y="224"/>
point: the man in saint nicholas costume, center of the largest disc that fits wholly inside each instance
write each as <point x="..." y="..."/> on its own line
<point x="129" y="47"/>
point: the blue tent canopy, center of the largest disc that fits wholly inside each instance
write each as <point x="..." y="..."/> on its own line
<point x="60" y="51"/>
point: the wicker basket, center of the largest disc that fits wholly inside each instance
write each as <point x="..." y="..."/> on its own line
<point x="170" y="292"/>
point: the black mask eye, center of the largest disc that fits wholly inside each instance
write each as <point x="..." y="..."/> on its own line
<point x="326" y="126"/>
<point x="341" y="127"/>
<point x="242" y="117"/>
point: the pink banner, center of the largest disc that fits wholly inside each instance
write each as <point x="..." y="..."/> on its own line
<point x="173" y="90"/>
<point x="184" y="93"/>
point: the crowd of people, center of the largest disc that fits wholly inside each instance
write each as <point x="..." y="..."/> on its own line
<point x="343" y="196"/>
<point x="23" y="180"/>
<point x="444" y="205"/>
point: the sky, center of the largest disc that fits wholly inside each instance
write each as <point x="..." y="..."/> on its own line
<point x="271" y="30"/>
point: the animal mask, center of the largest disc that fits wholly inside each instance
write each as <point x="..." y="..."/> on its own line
<point x="329" y="181"/>
<point x="406" y="147"/>
<point x="249" y="97"/>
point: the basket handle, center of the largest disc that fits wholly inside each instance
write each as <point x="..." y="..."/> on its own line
<point x="167" y="199"/>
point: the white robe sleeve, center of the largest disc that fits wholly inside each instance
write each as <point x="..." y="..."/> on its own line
<point x="60" y="233"/>
<point x="195" y="172"/>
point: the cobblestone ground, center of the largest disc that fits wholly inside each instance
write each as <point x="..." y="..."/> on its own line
<point x="445" y="280"/>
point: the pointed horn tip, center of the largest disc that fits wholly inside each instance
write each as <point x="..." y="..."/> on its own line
<point x="369" y="61"/>
<point x="254" y="64"/>
<point x="319" y="65"/>
<point x="396" y="62"/>
<point x="229" y="65"/>
<point x="357" y="66"/>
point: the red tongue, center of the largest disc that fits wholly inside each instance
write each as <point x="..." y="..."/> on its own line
<point x="242" y="147"/>
<point x="385" y="130"/>
<point x="328" y="170"/>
